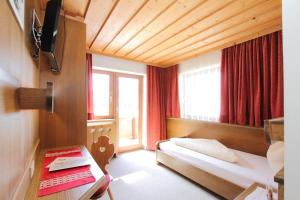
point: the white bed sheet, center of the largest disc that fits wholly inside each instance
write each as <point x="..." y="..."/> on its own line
<point x="249" y="169"/>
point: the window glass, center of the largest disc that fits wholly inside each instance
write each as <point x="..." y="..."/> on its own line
<point x="200" y="93"/>
<point x="101" y="94"/>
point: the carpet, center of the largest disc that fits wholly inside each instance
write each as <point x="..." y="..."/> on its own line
<point x="138" y="177"/>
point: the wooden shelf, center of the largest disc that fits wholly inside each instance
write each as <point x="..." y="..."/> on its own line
<point x="36" y="98"/>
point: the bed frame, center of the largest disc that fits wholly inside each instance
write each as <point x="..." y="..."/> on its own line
<point x="242" y="138"/>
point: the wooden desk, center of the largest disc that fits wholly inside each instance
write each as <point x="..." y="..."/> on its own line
<point x="81" y="192"/>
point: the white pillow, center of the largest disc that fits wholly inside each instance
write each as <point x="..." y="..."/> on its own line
<point x="208" y="147"/>
<point x="275" y="156"/>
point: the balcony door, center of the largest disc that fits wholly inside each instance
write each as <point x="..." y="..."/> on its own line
<point x="129" y="111"/>
<point x="118" y="96"/>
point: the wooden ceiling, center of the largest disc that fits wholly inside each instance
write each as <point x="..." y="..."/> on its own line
<point x="166" y="32"/>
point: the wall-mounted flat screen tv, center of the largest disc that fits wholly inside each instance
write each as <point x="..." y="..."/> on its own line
<point x="50" y="31"/>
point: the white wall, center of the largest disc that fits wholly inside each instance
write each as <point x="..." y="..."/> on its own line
<point x="205" y="60"/>
<point x="291" y="55"/>
<point x="117" y="64"/>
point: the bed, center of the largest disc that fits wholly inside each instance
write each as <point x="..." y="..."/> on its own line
<point x="223" y="178"/>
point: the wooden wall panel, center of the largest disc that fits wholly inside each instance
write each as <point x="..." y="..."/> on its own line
<point x="18" y="128"/>
<point x="67" y="125"/>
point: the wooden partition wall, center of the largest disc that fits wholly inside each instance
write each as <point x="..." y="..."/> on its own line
<point x="67" y="125"/>
<point x="243" y="138"/>
<point x="18" y="128"/>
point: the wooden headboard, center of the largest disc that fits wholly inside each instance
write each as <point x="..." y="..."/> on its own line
<point x="243" y="138"/>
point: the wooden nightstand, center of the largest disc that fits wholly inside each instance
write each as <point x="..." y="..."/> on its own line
<point x="248" y="191"/>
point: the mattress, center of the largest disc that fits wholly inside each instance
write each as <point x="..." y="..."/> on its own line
<point x="250" y="168"/>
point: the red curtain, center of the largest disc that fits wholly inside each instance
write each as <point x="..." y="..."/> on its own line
<point x="252" y="81"/>
<point x="162" y="101"/>
<point x="171" y="91"/>
<point x="90" y="103"/>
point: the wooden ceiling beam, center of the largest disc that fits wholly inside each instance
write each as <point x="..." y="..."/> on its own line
<point x="227" y="42"/>
<point x="176" y="11"/>
<point x="151" y="11"/>
<point x="164" y="32"/>
<point x="114" y="5"/>
<point x="86" y="8"/>
<point x="233" y="24"/>
<point x="235" y="10"/>
<point x="202" y="11"/>
<point x="118" y="19"/>
<point x="244" y="27"/>
<point x="96" y="17"/>
<point x="131" y="18"/>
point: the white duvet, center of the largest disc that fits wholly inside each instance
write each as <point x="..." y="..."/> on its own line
<point x="208" y="147"/>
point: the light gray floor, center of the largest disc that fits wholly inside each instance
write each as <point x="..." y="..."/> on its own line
<point x="138" y="177"/>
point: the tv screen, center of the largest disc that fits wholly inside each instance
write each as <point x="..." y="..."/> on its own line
<point x="49" y="30"/>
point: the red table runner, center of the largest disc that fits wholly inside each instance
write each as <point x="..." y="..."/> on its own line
<point x="57" y="181"/>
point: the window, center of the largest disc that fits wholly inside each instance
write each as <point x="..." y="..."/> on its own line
<point x="102" y="86"/>
<point x="118" y="96"/>
<point x="200" y="93"/>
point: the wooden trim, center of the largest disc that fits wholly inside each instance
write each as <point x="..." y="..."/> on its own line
<point x="248" y="191"/>
<point x="74" y="18"/>
<point x="87" y="8"/>
<point x="26" y="179"/>
<point x="94" y="51"/>
<point x="210" y="181"/>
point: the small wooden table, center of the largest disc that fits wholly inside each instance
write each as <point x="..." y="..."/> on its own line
<point x="248" y="191"/>
<point x="80" y="192"/>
